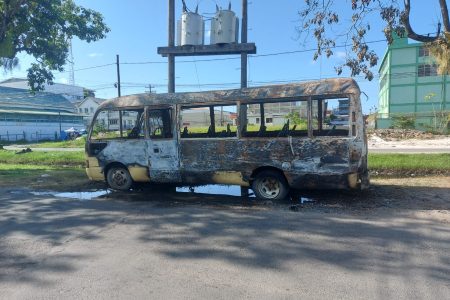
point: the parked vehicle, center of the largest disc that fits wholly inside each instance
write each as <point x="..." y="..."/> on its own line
<point x="270" y="138"/>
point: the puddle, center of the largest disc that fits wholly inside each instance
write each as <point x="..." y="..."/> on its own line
<point x="17" y="192"/>
<point x="74" y="195"/>
<point x="304" y="200"/>
<point x="214" y="189"/>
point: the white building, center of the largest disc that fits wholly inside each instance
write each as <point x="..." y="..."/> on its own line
<point x="87" y="108"/>
<point x="70" y="92"/>
<point x="38" y="116"/>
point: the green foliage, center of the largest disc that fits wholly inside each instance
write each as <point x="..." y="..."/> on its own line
<point x="98" y="127"/>
<point x="43" y="29"/>
<point x="327" y="23"/>
<point x="295" y="119"/>
<point x="440" y="51"/>
<point x="78" y="143"/>
<point x="441" y="117"/>
<point x="88" y="93"/>
<point x="403" y="122"/>
<point x="329" y="118"/>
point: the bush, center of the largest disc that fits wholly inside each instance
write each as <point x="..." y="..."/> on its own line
<point x="403" y="122"/>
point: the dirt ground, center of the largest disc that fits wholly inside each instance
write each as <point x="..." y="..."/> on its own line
<point x="376" y="142"/>
<point x="418" y="193"/>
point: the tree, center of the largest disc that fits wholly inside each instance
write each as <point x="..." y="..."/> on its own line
<point x="320" y="18"/>
<point x="44" y="29"/>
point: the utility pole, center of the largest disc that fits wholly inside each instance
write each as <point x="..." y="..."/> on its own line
<point x="150" y="89"/>
<point x="243" y="48"/>
<point x="244" y="55"/>
<point x="171" y="51"/>
<point x="60" y="129"/>
<point x="118" y="75"/>
<point x="119" y="93"/>
<point x="171" y="57"/>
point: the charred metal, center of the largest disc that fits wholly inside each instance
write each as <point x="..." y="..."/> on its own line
<point x="310" y="161"/>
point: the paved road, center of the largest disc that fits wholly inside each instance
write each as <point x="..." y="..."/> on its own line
<point x="182" y="246"/>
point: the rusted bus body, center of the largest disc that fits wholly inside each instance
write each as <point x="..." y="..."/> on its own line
<point x="306" y="160"/>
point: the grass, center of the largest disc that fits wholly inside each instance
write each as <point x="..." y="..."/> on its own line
<point x="62" y="144"/>
<point x="409" y="162"/>
<point x="48" y="159"/>
<point x="25" y="167"/>
<point x="432" y="163"/>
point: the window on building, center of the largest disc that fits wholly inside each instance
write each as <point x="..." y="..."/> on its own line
<point x="92" y="110"/>
<point x="426" y="70"/>
<point x="423" y="51"/>
<point x="257" y="121"/>
<point x="269" y="120"/>
<point x="81" y="110"/>
<point x="113" y="121"/>
<point x="86" y="110"/>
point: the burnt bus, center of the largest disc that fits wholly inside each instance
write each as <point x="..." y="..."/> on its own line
<point x="308" y="135"/>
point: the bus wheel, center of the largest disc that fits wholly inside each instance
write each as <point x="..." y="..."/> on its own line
<point x="270" y="185"/>
<point x="119" y="178"/>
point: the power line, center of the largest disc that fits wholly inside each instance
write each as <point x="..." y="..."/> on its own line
<point x="214" y="59"/>
<point x="251" y="56"/>
<point x="89" y="68"/>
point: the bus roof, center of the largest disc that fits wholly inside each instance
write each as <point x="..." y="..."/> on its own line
<point x="326" y="88"/>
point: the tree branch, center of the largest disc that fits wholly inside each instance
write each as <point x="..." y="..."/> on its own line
<point x="410" y="32"/>
<point x="444" y="12"/>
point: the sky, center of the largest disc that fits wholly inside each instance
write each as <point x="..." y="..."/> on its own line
<point x="138" y="27"/>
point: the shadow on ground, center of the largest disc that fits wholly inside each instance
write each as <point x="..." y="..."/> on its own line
<point x="371" y="231"/>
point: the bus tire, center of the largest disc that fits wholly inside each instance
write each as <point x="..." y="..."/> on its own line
<point x="270" y="185"/>
<point x="119" y="178"/>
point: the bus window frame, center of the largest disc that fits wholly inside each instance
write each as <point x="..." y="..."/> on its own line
<point x="173" y="123"/>
<point x="181" y="107"/>
<point x="243" y="118"/>
<point x="121" y="137"/>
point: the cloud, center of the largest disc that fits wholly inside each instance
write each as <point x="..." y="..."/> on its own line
<point x="94" y="54"/>
<point x="63" y="80"/>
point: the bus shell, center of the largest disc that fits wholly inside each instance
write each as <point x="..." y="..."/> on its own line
<point x="163" y="144"/>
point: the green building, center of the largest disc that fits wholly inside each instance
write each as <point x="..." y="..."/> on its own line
<point x="411" y="88"/>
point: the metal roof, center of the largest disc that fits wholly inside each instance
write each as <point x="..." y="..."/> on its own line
<point x="38" y="112"/>
<point x="327" y="88"/>
<point x="19" y="99"/>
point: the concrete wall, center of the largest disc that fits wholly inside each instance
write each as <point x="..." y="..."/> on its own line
<point x="403" y="92"/>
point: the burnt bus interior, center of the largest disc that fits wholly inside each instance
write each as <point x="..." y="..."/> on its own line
<point x="299" y="118"/>
<point x="269" y="119"/>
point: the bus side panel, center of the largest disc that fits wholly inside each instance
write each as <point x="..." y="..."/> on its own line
<point x="130" y="153"/>
<point x="301" y="159"/>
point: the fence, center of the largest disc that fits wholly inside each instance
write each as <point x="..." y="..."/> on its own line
<point x="15" y="137"/>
